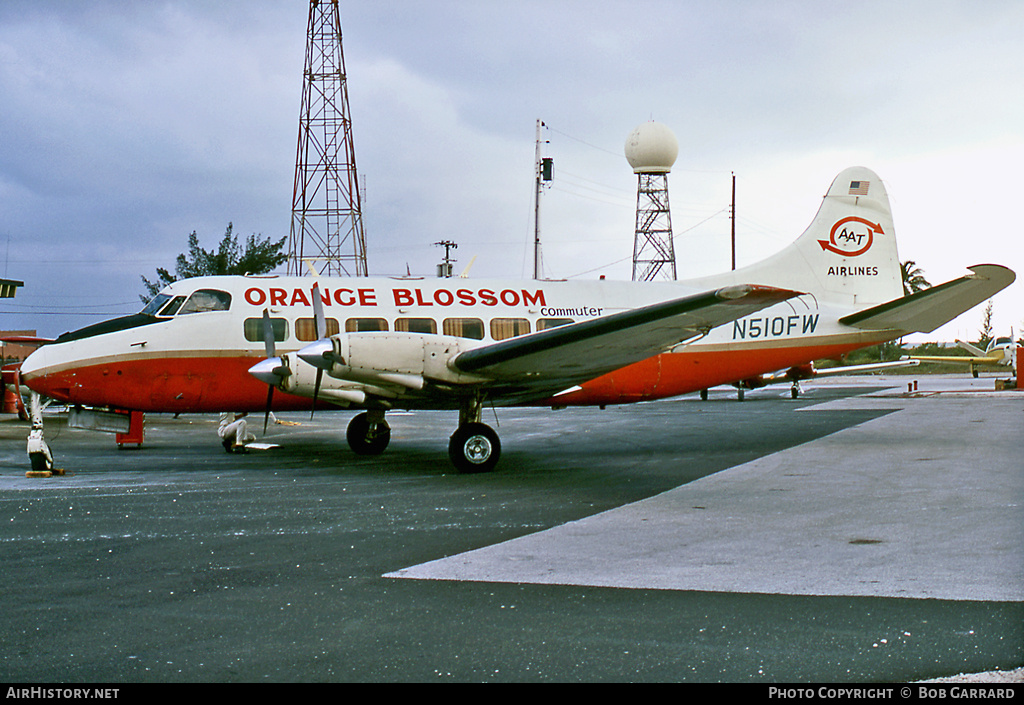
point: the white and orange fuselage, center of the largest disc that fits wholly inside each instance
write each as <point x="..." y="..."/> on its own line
<point x="199" y="361"/>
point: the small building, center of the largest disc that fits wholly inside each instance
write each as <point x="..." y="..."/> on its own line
<point x="8" y="287"/>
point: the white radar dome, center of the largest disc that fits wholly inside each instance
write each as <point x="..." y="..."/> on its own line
<point x="652" y="149"/>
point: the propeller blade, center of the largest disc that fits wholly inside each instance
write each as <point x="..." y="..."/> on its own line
<point x="316" y="390"/>
<point x="321" y="333"/>
<point x="318" y="312"/>
<point x="268" y="334"/>
<point x="266" y="414"/>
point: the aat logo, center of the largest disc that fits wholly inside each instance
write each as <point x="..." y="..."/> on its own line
<point x="851" y="237"/>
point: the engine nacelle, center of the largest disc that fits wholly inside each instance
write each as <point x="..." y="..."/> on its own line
<point x="398" y="359"/>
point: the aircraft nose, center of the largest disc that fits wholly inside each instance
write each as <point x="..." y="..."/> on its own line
<point x="318" y="354"/>
<point x="268" y="371"/>
<point x="33" y="365"/>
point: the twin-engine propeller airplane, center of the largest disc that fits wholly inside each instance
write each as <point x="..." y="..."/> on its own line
<point x="1001" y="352"/>
<point x="379" y="344"/>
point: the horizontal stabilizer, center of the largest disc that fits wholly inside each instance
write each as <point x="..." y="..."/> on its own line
<point x="976" y="351"/>
<point x="926" y="310"/>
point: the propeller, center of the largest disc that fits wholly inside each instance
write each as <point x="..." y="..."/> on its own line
<point x="271" y="370"/>
<point x="268" y="341"/>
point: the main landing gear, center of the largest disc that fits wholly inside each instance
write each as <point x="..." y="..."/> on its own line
<point x="473" y="448"/>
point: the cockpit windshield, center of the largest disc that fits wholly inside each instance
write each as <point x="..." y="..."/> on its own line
<point x="200" y="301"/>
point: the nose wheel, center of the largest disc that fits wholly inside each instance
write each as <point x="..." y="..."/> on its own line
<point x="368" y="433"/>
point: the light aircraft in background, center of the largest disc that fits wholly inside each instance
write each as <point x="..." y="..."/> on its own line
<point x="373" y="345"/>
<point x="1001" y="352"/>
<point x="799" y="373"/>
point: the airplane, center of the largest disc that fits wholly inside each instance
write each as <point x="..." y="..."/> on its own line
<point x="262" y="343"/>
<point x="799" y="373"/>
<point x="1001" y="352"/>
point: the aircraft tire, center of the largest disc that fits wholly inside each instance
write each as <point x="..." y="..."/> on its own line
<point x="474" y="448"/>
<point x="39" y="462"/>
<point x="362" y="440"/>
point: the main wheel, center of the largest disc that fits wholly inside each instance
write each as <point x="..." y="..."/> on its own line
<point x="365" y="438"/>
<point x="474" y="447"/>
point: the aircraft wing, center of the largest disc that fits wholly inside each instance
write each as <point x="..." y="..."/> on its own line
<point x="962" y="359"/>
<point x="810" y="371"/>
<point x="25" y="339"/>
<point x="581" y="351"/>
<point x="926" y="310"/>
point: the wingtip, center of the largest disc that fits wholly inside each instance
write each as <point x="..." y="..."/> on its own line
<point x="747" y="292"/>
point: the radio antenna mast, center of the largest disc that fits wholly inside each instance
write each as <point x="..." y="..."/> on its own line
<point x="327" y="222"/>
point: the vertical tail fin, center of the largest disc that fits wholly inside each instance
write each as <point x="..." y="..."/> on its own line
<point x="848" y="253"/>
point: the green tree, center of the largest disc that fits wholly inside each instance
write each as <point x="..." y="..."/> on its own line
<point x="259" y="256"/>
<point x="913" y="277"/>
<point x="986" y="327"/>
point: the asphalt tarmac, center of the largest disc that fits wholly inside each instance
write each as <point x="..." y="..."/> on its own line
<point x="860" y="533"/>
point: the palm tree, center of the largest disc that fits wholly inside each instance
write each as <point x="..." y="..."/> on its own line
<point x="913" y="277"/>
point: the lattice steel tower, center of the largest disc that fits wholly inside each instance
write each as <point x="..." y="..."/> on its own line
<point x="327" y="223"/>
<point x="651" y="150"/>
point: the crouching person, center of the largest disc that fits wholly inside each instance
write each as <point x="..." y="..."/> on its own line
<point x="233" y="432"/>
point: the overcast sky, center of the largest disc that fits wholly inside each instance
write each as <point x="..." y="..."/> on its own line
<point x="126" y="125"/>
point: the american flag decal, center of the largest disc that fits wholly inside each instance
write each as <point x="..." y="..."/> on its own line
<point x="859" y="188"/>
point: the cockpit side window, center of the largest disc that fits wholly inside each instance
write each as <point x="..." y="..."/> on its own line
<point x="172" y="308"/>
<point x="204" y="300"/>
<point x="155" y="304"/>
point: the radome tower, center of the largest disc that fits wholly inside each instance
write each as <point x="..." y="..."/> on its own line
<point x="651" y="149"/>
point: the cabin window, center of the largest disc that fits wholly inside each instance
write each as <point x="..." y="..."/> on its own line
<point x="205" y="300"/>
<point x="416" y="325"/>
<point x="463" y="328"/>
<point x="305" y="328"/>
<point x="545" y="323"/>
<point x="502" y="328"/>
<point x="364" y="325"/>
<point x="253" y="328"/>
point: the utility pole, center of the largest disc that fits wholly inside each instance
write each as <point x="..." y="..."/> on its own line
<point x="444" y="270"/>
<point x="327" y="222"/>
<point x="543" y="168"/>
<point x="732" y="217"/>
